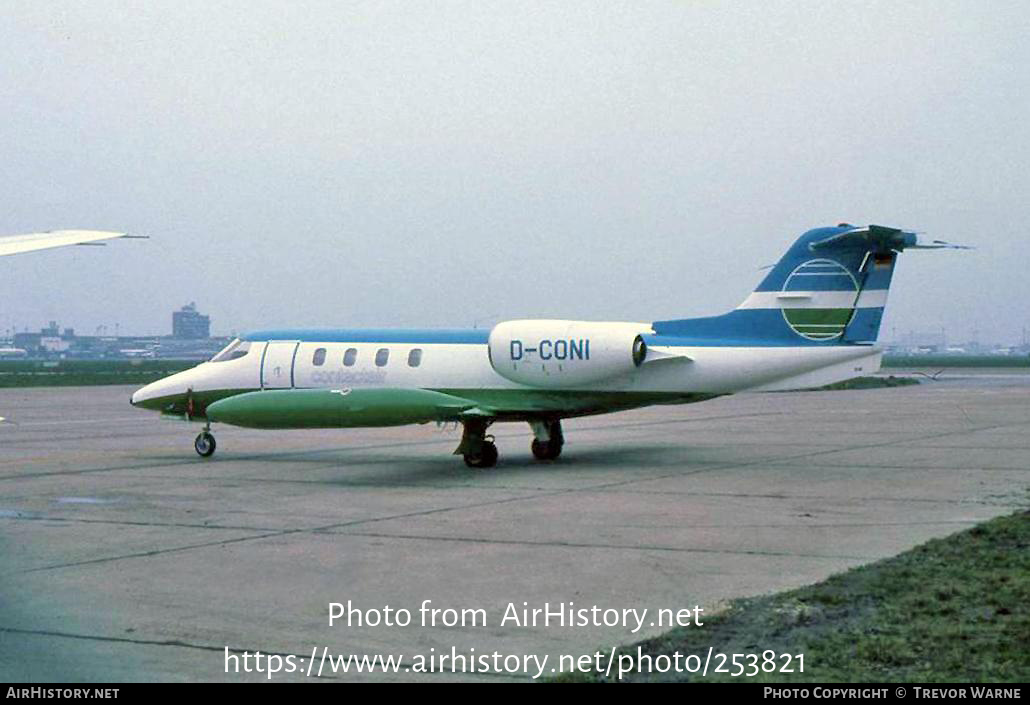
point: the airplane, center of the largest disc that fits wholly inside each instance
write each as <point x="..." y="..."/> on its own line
<point x="812" y="321"/>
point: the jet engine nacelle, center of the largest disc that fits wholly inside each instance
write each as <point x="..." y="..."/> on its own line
<point x="552" y="354"/>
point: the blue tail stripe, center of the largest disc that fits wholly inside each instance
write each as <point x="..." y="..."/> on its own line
<point x="743" y="327"/>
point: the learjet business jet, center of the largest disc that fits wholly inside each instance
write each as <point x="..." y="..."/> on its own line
<point x="812" y="321"/>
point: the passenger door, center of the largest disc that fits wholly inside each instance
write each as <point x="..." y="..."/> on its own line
<point x="277" y="367"/>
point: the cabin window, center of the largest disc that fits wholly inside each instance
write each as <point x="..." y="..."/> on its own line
<point x="382" y="357"/>
<point x="350" y="357"/>
<point x="415" y="357"/>
<point x="234" y="350"/>
<point x="318" y="359"/>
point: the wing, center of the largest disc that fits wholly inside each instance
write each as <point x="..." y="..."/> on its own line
<point x="17" y="244"/>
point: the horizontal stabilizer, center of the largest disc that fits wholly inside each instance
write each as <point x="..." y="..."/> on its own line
<point x="879" y="238"/>
<point x="924" y="244"/>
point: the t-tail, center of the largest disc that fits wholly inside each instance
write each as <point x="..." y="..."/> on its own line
<point x="830" y="288"/>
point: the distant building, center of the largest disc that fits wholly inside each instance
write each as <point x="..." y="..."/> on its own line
<point x="28" y="341"/>
<point x="189" y="324"/>
<point x="51" y="342"/>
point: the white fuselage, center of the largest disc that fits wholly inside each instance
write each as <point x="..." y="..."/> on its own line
<point x="668" y="369"/>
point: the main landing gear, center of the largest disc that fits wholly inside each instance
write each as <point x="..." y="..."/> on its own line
<point x="204" y="443"/>
<point x="477" y="448"/>
<point x="548" y="439"/>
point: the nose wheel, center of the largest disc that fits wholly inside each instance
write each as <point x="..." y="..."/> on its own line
<point x="204" y="444"/>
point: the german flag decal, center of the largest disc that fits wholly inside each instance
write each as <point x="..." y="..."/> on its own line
<point x="883" y="260"/>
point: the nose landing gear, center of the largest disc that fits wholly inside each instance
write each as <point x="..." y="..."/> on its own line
<point x="204" y="443"/>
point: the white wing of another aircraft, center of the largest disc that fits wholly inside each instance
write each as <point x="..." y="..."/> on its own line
<point x="17" y="244"/>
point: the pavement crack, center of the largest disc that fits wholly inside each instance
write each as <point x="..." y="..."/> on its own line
<point x="577" y="544"/>
<point x="175" y="643"/>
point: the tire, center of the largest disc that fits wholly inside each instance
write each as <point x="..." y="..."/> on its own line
<point x="204" y="444"/>
<point x="546" y="450"/>
<point x="486" y="458"/>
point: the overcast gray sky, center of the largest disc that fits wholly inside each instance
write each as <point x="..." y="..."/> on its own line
<point x="444" y="163"/>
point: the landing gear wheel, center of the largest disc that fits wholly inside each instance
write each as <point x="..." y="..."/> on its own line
<point x="546" y="450"/>
<point x="476" y="447"/>
<point x="548" y="440"/>
<point x="204" y="444"/>
<point x="485" y="458"/>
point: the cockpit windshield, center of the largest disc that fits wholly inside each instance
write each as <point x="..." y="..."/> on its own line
<point x="236" y="349"/>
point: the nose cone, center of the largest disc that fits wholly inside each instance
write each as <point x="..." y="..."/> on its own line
<point x="168" y="394"/>
<point x="143" y="395"/>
